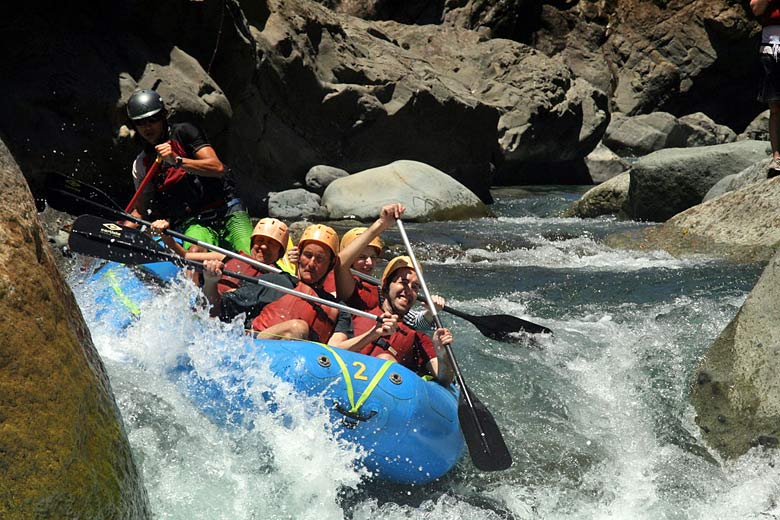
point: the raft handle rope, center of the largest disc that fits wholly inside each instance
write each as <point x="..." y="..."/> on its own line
<point x="352" y="415"/>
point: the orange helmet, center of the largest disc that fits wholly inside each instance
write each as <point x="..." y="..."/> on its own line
<point x="395" y="264"/>
<point x="322" y="235"/>
<point x="353" y="233"/>
<point x="273" y="229"/>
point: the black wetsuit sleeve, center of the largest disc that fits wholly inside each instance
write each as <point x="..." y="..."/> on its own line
<point x="344" y="324"/>
<point x="191" y="137"/>
<point x="250" y="298"/>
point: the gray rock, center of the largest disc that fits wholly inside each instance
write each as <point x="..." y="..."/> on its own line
<point x="295" y="204"/>
<point x="741" y="226"/>
<point x="607" y="198"/>
<point x="753" y="173"/>
<point x="427" y="193"/>
<point x="757" y="129"/>
<point x="736" y="393"/>
<point x="319" y="177"/>
<point x="669" y="181"/>
<point x="700" y="130"/>
<point x="604" y="164"/>
<point x="634" y="136"/>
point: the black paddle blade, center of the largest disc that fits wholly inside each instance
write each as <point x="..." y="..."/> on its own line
<point x="486" y="444"/>
<point x="94" y="236"/>
<point x="72" y="196"/>
<point x="500" y="326"/>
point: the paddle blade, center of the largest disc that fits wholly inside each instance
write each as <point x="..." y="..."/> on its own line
<point x="500" y="326"/>
<point x="94" y="236"/>
<point x="72" y="196"/>
<point x="486" y="444"/>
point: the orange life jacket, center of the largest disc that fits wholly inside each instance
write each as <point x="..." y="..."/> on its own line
<point x="321" y="319"/>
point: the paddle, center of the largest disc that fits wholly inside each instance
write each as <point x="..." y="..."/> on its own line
<point x="148" y="177"/>
<point x="95" y="236"/>
<point x="494" y="326"/>
<point x="486" y="444"/>
<point x="69" y="195"/>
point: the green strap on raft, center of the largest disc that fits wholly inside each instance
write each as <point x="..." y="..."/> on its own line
<point x="115" y="285"/>
<point x="348" y="381"/>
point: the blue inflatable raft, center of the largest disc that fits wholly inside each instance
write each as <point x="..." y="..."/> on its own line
<point x="407" y="425"/>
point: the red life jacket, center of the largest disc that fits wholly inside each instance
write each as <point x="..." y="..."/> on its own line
<point x="365" y="297"/>
<point x="230" y="283"/>
<point x="321" y="319"/>
<point x="411" y="349"/>
<point x="167" y="176"/>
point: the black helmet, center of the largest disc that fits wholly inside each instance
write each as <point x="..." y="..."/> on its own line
<point x="143" y="104"/>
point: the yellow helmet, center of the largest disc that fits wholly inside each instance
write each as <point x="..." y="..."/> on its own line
<point x="322" y="235"/>
<point x="274" y="229"/>
<point x="353" y="233"/>
<point x="395" y="264"/>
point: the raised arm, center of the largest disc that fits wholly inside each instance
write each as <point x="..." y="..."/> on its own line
<point x="345" y="283"/>
<point x="205" y="163"/>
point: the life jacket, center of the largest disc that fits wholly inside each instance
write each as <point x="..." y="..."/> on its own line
<point x="365" y="296"/>
<point x="321" y="319"/>
<point x="230" y="283"/>
<point x="409" y="347"/>
<point x="329" y="282"/>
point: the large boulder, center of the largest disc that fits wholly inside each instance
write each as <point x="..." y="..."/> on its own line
<point x="63" y="448"/>
<point x="427" y="193"/>
<point x="669" y="181"/>
<point x="643" y="134"/>
<point x="741" y="225"/>
<point x="736" y="393"/>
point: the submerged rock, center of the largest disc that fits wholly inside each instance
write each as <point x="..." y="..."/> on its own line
<point x="63" y="448"/>
<point x="736" y="392"/>
<point x="607" y="198"/>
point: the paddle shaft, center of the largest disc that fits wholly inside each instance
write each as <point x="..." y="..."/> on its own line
<point x="458" y="375"/>
<point x="148" y="177"/>
<point x="498" y="327"/>
<point x="161" y="256"/>
<point x="127" y="216"/>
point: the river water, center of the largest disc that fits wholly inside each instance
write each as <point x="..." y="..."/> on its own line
<point x="596" y="416"/>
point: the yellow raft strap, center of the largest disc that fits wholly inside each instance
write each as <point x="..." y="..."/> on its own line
<point x="127" y="302"/>
<point x="348" y="381"/>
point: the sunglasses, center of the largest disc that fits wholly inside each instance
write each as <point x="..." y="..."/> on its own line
<point x="148" y="120"/>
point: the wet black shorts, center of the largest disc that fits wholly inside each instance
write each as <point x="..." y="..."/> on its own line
<point x="770" y="85"/>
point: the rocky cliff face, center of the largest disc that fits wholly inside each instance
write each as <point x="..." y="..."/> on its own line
<point x="63" y="448"/>
<point x="283" y="85"/>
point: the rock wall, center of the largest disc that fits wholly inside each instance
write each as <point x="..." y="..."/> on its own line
<point x="63" y="449"/>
